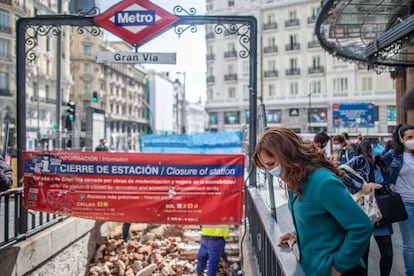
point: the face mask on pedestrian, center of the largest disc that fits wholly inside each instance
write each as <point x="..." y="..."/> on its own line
<point x="337" y="147"/>
<point x="377" y="149"/>
<point x="275" y="171"/>
<point x="409" y="144"/>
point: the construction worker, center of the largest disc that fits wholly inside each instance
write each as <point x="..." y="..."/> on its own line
<point x="212" y="243"/>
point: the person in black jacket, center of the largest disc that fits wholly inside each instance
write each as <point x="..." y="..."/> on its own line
<point x="102" y="146"/>
<point x="6" y="175"/>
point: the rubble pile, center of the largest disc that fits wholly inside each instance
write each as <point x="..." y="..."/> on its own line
<point x="151" y="250"/>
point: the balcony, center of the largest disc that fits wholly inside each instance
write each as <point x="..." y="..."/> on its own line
<point x="270" y="26"/>
<point x="211" y="79"/>
<point x="5" y="92"/>
<point x="292" y="22"/>
<point x="316" y="70"/>
<point x="271" y="73"/>
<point x="210" y="57"/>
<point x="230" y="54"/>
<point x="292" y="71"/>
<point x="292" y="46"/>
<point x="270" y="49"/>
<point x="314" y="44"/>
<point x="230" y="77"/>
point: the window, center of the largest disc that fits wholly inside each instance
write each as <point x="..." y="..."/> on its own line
<point x="231" y="92"/>
<point x="270" y="18"/>
<point x="271" y="90"/>
<point x="293" y="62"/>
<point x="315" y="11"/>
<point x="86" y="85"/>
<point x="274" y="116"/>
<point x="230" y="3"/>
<point x="292" y="15"/>
<point x="391" y="113"/>
<point x="4" y="21"/>
<point x="232" y="117"/>
<point x="366" y="84"/>
<point x="271" y="65"/>
<point x="246" y="92"/>
<point x="87" y="49"/>
<point x="86" y="68"/>
<point x="315" y="87"/>
<point x="230" y="69"/>
<point x="340" y="85"/>
<point x="316" y="62"/>
<point x="246" y="67"/>
<point x="210" y="94"/>
<point x="271" y="41"/>
<point x="213" y="118"/>
<point x="293" y="39"/>
<point x="4" y="80"/>
<point x="293" y="88"/>
<point x="4" y="49"/>
<point x="231" y="47"/>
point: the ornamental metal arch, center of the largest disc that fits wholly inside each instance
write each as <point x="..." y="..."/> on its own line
<point x="28" y="30"/>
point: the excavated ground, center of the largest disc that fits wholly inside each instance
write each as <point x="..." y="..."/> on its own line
<point x="157" y="250"/>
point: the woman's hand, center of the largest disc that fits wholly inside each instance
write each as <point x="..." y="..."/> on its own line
<point x="287" y="238"/>
<point x="367" y="188"/>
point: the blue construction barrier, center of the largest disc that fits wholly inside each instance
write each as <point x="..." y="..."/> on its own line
<point x="209" y="142"/>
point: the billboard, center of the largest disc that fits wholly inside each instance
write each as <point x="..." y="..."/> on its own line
<point x="131" y="187"/>
<point x="353" y="115"/>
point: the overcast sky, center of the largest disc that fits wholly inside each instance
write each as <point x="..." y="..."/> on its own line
<point x="189" y="47"/>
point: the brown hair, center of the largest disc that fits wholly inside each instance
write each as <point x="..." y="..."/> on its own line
<point x="298" y="158"/>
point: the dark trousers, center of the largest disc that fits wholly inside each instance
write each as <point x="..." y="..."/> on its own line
<point x="359" y="270"/>
<point x="125" y="231"/>
<point x="385" y="248"/>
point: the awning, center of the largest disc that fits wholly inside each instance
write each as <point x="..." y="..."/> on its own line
<point x="372" y="32"/>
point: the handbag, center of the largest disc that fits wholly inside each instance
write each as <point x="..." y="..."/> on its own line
<point x="368" y="202"/>
<point x="391" y="206"/>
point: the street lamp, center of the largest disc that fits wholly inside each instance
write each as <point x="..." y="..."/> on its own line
<point x="184" y="104"/>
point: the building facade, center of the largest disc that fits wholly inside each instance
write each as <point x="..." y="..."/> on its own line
<point x="298" y="82"/>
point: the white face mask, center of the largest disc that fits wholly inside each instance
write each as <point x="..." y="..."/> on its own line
<point x="275" y="171"/>
<point x="409" y="144"/>
<point x="337" y="147"/>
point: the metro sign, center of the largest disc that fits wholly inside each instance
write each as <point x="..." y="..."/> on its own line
<point x="135" y="21"/>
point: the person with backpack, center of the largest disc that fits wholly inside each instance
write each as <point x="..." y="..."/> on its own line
<point x="368" y="164"/>
<point x="400" y="174"/>
<point x="6" y="175"/>
<point x="342" y="151"/>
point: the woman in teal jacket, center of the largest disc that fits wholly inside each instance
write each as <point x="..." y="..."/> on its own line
<point x="331" y="230"/>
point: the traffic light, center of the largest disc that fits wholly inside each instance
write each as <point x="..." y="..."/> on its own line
<point x="70" y="115"/>
<point x="95" y="96"/>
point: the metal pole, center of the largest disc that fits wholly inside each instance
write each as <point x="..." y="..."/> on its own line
<point x="309" y="112"/>
<point x="58" y="144"/>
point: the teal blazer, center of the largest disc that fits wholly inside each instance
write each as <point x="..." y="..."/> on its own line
<point x="331" y="229"/>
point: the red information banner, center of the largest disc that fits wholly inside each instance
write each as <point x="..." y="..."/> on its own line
<point x="136" y="187"/>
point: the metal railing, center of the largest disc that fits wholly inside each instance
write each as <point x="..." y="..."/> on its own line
<point x="17" y="223"/>
<point x="264" y="231"/>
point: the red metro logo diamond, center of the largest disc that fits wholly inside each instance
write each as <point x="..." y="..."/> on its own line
<point x="135" y="21"/>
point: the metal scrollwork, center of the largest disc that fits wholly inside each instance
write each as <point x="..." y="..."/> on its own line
<point x="95" y="31"/>
<point x="92" y="12"/>
<point x="179" y="30"/>
<point x="242" y="31"/>
<point x="179" y="10"/>
<point x="33" y="31"/>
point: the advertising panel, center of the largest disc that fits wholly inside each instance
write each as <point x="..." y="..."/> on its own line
<point x="131" y="187"/>
<point x="351" y="115"/>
